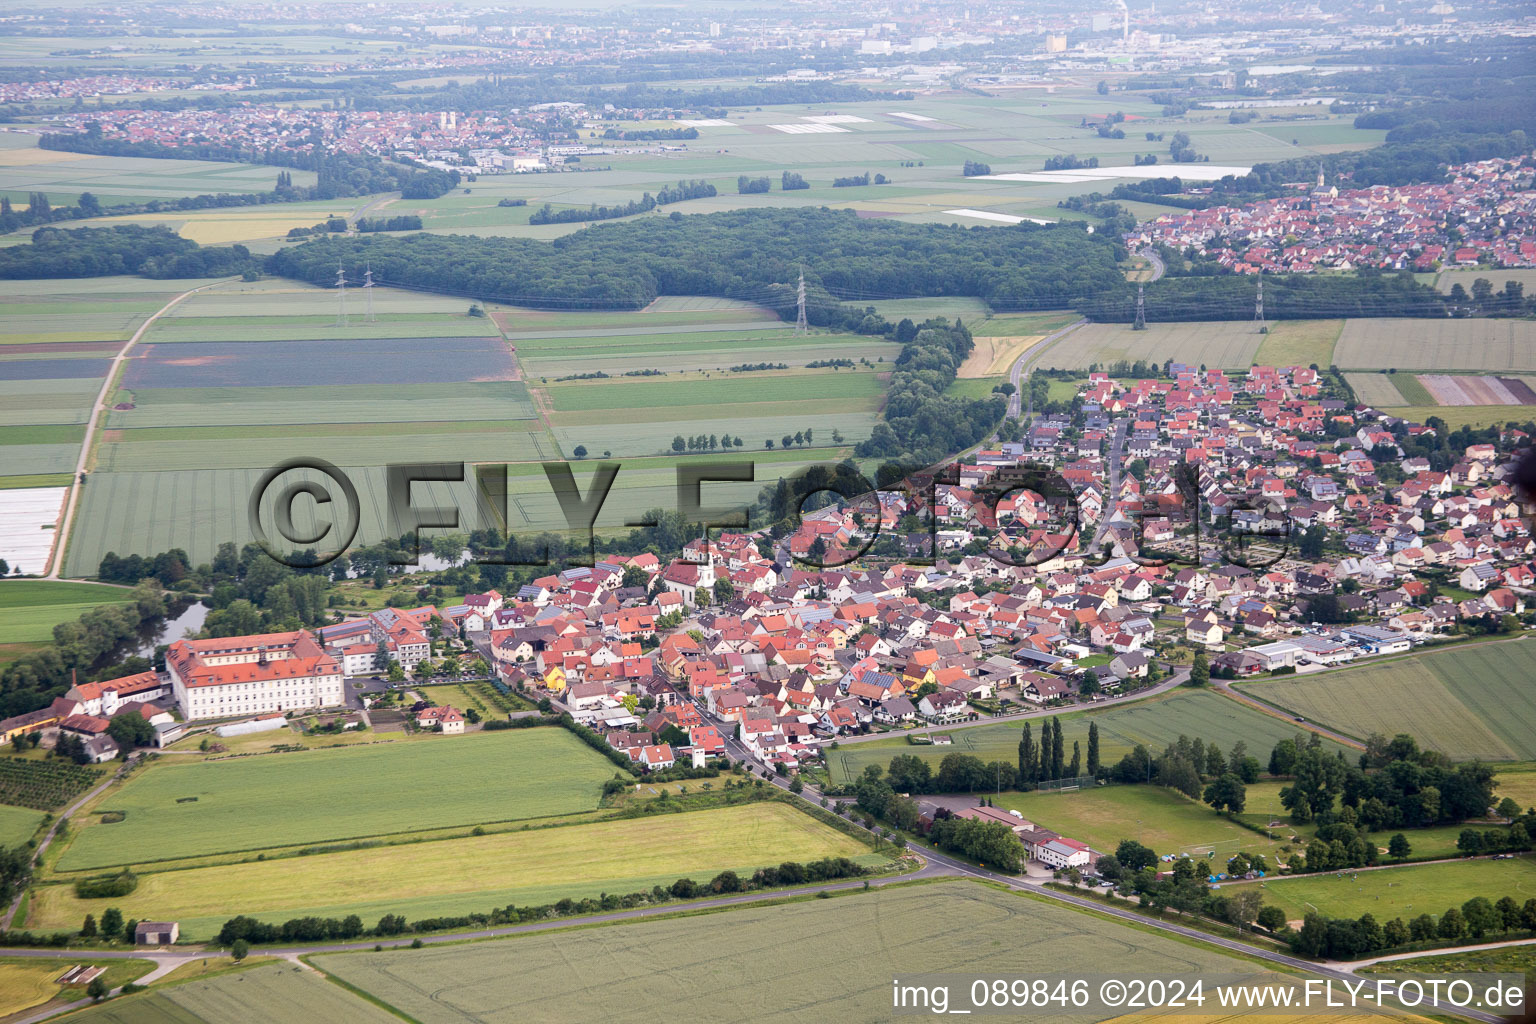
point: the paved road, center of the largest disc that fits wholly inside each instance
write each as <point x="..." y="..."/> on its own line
<point x="1019" y="374"/>
<point x="1116" y="453"/>
<point x="1158" y="267"/>
<point x="61" y="539"/>
<point x="53" y="829"/>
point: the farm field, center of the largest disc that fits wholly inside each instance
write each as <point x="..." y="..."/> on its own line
<point x="1377" y="389"/>
<point x="175" y="811"/>
<point x="149" y="512"/>
<point x="318" y="362"/>
<point x="16" y="826"/>
<point x="1456" y="416"/>
<point x="1447" y="279"/>
<point x="1225" y="344"/>
<point x="24" y="985"/>
<point x="1471" y="701"/>
<point x="1155" y="722"/>
<point x="320" y="404"/>
<point x="120" y="179"/>
<point x="1405" y="891"/>
<point x="995" y="354"/>
<point x="1468" y="389"/>
<point x="950" y="926"/>
<point x="1299" y="343"/>
<point x="450" y="877"/>
<point x="277" y="993"/>
<point x="29" y="610"/>
<point x="1444" y="344"/>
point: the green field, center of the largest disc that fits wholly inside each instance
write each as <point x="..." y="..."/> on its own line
<point x="1232" y="345"/>
<point x="17" y="824"/>
<point x="460" y="876"/>
<point x="249" y="803"/>
<point x="1156" y="722"/>
<point x="29" y="610"/>
<point x="1299" y="343"/>
<point x="1470" y="701"/>
<point x="1403" y="891"/>
<point x="1161" y="818"/>
<point x="1457" y="416"/>
<point x="689" y="969"/>
<point x="1439" y="344"/>
<point x="279" y="993"/>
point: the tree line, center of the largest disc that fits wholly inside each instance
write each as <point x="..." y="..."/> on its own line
<point x="148" y="251"/>
<point x="754" y="255"/>
<point x="1219" y="295"/>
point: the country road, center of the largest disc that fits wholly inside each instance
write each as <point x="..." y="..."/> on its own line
<point x="1022" y="366"/>
<point x="67" y="520"/>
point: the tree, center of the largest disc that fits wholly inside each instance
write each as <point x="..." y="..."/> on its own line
<point x="1093" y="748"/>
<point x="1200" y="671"/>
<point x="678" y="444"/>
<point x="1075" y="769"/>
<point x="580" y="451"/>
<point x="1029" y="760"/>
<point x="112" y="923"/>
<point x="240" y="950"/>
<point x="1271" y="918"/>
<point x="1133" y="856"/>
<point x="97" y="989"/>
<point x="1452" y="925"/>
<point x="1227" y="793"/>
<point x="88" y="929"/>
<point x="1481" y="917"/>
<point x="1399" y="847"/>
<point x="1089" y="685"/>
<point x="1394" y="933"/>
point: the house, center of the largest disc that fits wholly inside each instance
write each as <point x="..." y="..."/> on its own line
<point x="156" y="933"/>
<point x="246" y="675"/>
<point x="943" y="706"/>
<point x="1203" y="628"/>
<point x="100" y="748"/>
<point x="446" y="718"/>
<point x="104" y="698"/>
<point x="656" y="758"/>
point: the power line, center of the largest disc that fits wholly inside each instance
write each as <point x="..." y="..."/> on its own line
<point x="800" y="325"/>
<point x="341" y="295"/>
<point x="1141" y="308"/>
<point x="368" y="291"/>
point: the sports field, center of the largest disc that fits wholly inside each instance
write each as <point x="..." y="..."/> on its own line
<point x="1472" y="701"/>
<point x="248" y="803"/>
<point x="279" y="993"/>
<point x="689" y="970"/>
<point x="1403" y="892"/>
<point x="462" y="876"/>
<point x="29" y="610"/>
<point x="1230" y="345"/>
<point x="1155" y="722"/>
<point x="1438" y="344"/>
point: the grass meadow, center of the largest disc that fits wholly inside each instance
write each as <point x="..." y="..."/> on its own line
<point x="249" y="803"/>
<point x="458" y="876"/>
<point x="17" y="825"/>
<point x="950" y="926"/>
<point x="1469" y="701"/>
<point x="29" y="610"/>
<point x="1404" y="892"/>
<point x="1299" y="343"/>
<point x="1155" y="722"/>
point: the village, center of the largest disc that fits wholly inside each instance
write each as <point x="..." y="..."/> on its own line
<point x="730" y="650"/>
<point x="1484" y="214"/>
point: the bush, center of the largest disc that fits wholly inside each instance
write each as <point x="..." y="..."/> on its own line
<point x="100" y="887"/>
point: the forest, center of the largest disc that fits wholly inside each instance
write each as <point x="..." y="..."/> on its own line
<point x="754" y="255"/>
<point x="156" y="252"/>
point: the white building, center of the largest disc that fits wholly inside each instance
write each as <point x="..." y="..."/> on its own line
<point x="238" y="676"/>
<point x="1062" y="853"/>
<point x="105" y="697"/>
